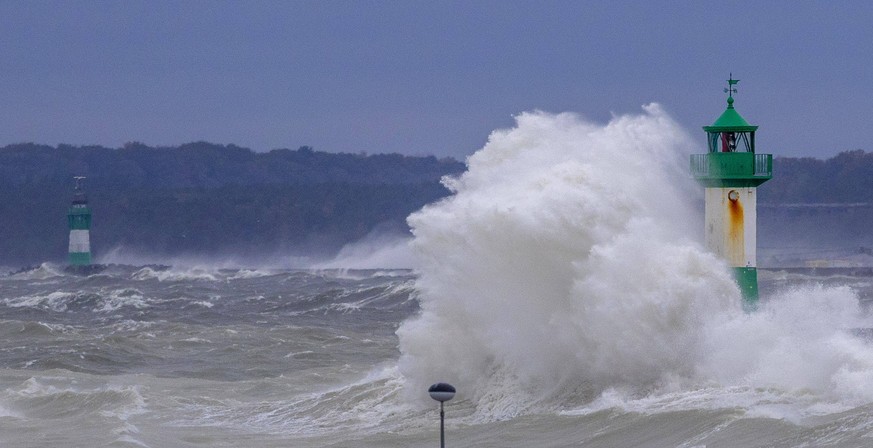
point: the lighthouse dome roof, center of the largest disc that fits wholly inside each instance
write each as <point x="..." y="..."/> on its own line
<point x="730" y="120"/>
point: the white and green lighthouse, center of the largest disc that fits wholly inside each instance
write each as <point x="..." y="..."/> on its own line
<point x="731" y="171"/>
<point x="79" y="219"/>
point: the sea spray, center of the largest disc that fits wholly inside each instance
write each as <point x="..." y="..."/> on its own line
<point x="801" y="341"/>
<point x="565" y="273"/>
<point x="564" y="263"/>
<point x="378" y="250"/>
<point x="309" y="359"/>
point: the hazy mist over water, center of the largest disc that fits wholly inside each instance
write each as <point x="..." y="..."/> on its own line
<point x="561" y="289"/>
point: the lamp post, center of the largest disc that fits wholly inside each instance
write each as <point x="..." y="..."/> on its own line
<point x="442" y="392"/>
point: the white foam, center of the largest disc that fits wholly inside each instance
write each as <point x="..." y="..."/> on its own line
<point x="4" y="412"/>
<point x="566" y="264"/>
<point x="130" y="326"/>
<point x="243" y="274"/>
<point x="202" y="303"/>
<point x="174" y="274"/>
<point x="375" y="251"/>
<point x="44" y="271"/>
<point x="117" y="299"/>
<point x="55" y="301"/>
<point x="561" y="259"/>
<point x="368" y="402"/>
<point x="800" y="340"/>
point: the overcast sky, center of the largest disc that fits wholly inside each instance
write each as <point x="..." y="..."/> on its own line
<point x="432" y="77"/>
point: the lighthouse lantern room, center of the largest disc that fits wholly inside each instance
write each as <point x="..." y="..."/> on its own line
<point x="731" y="171"/>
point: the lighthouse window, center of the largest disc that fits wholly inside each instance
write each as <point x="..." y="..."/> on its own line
<point x="731" y="141"/>
<point x="742" y="142"/>
<point x="728" y="141"/>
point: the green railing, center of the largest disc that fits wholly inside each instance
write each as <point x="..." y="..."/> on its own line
<point x="732" y="168"/>
<point x="764" y="165"/>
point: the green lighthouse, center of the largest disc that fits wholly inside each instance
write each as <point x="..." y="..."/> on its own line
<point x="731" y="171"/>
<point x="79" y="219"/>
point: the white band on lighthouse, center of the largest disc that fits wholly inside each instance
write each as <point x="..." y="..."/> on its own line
<point x="731" y="222"/>
<point x="80" y="241"/>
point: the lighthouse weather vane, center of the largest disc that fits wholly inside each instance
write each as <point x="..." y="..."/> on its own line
<point x="731" y="90"/>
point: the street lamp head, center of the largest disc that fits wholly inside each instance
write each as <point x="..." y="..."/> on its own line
<point x="441" y="392"/>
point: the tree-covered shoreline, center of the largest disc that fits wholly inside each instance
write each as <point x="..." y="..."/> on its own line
<point x="204" y="198"/>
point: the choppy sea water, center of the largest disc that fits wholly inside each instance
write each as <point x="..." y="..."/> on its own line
<point x="144" y="357"/>
<point x="136" y="357"/>
<point x="562" y="288"/>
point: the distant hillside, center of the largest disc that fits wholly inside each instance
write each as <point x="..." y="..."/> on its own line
<point x="843" y="179"/>
<point x="814" y="210"/>
<point x="202" y="198"/>
<point x="207" y="165"/>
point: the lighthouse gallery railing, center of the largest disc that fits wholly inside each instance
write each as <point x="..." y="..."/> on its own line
<point x="732" y="165"/>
